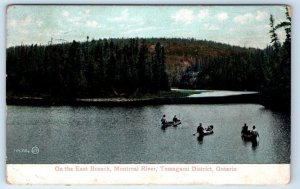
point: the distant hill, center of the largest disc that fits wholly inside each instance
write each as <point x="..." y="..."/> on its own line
<point x="183" y="53"/>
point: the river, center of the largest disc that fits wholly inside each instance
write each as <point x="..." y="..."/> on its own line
<point x="103" y="135"/>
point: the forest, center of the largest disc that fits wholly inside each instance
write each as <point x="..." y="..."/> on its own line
<point x="86" y="69"/>
<point x="130" y="66"/>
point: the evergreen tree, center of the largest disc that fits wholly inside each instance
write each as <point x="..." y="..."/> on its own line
<point x="277" y="92"/>
<point x="274" y="37"/>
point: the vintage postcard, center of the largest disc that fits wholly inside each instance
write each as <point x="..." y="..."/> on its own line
<point x="148" y="94"/>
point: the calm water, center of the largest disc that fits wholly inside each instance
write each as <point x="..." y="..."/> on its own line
<point x="67" y="134"/>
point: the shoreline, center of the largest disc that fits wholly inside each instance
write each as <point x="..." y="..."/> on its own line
<point x="39" y="101"/>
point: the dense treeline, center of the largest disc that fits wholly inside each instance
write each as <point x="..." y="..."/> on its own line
<point x="235" y="71"/>
<point x="118" y="67"/>
<point x="106" y="67"/>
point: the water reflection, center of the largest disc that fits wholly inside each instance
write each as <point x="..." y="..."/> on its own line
<point x="254" y="143"/>
<point x="163" y="128"/>
<point x="200" y="139"/>
<point x="254" y="147"/>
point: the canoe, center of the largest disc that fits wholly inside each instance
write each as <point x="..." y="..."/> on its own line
<point x="249" y="137"/>
<point x="176" y="123"/>
<point x="207" y="131"/>
<point x="170" y="123"/>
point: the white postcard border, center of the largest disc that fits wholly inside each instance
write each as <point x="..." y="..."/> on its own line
<point x="153" y="174"/>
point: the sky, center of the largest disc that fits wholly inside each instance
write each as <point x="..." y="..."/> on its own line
<point x="245" y="26"/>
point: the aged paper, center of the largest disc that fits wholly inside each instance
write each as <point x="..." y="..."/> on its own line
<point x="165" y="94"/>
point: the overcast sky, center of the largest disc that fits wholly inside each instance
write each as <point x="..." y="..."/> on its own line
<point x="237" y="25"/>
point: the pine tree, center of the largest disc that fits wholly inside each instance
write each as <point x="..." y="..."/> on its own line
<point x="274" y="37"/>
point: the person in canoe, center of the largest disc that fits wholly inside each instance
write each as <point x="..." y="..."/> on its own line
<point x="175" y="119"/>
<point x="200" y="129"/>
<point x="209" y="128"/>
<point x="254" y="136"/>
<point x="254" y="132"/>
<point x="245" y="129"/>
<point x="163" y="120"/>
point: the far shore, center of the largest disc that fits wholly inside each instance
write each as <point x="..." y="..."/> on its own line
<point x="120" y="101"/>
